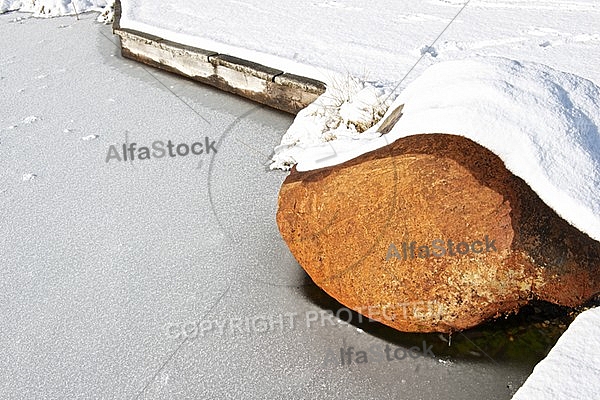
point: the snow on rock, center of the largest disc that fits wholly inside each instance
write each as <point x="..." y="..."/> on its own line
<point x="543" y="123"/>
<point x="572" y="368"/>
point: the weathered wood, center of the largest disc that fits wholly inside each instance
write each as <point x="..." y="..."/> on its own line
<point x="269" y="86"/>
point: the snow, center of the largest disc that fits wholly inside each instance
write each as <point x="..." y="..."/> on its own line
<point x="54" y="8"/>
<point x="572" y="368"/>
<point x="345" y="110"/>
<point x="329" y="39"/>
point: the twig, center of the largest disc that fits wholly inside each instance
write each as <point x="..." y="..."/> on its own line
<point x="76" y="14"/>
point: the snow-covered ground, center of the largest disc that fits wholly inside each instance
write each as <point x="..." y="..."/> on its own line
<point x="377" y="42"/>
<point x="55" y="8"/>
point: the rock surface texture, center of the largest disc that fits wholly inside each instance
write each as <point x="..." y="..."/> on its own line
<point x="433" y="234"/>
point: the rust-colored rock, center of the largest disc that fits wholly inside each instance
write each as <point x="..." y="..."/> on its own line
<point x="351" y="226"/>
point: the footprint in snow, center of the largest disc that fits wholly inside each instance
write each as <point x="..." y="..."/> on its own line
<point x="29" y="120"/>
<point x="29" y="177"/>
<point x="429" y="49"/>
<point x="90" y="137"/>
<point x="542" y="31"/>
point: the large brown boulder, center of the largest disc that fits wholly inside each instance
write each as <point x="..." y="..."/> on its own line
<point x="433" y="234"/>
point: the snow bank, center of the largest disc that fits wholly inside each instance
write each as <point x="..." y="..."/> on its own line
<point x="377" y="41"/>
<point x="541" y="122"/>
<point x="53" y="8"/>
<point x="347" y="109"/>
<point x="572" y="368"/>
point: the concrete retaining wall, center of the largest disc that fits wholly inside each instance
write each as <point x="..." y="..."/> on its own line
<point x="275" y="88"/>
